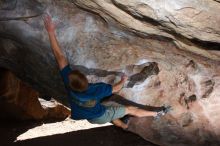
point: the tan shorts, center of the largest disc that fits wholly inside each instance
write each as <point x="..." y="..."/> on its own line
<point x="112" y="112"/>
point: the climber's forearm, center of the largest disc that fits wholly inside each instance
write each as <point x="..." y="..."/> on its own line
<point x="58" y="53"/>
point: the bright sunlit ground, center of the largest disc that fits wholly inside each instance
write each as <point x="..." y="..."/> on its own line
<point x="68" y="125"/>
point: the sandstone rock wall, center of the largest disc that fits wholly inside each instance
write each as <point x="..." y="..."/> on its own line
<point x="169" y="50"/>
<point x="192" y="25"/>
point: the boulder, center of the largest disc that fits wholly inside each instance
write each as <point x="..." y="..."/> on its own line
<point x="193" y="25"/>
<point x="169" y="50"/>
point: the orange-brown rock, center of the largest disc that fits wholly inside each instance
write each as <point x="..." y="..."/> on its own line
<point x="20" y="101"/>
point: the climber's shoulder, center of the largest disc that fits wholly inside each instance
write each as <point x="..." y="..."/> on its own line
<point x="64" y="72"/>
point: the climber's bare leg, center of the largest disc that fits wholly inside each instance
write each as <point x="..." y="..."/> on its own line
<point x="119" y="123"/>
<point x="134" y="111"/>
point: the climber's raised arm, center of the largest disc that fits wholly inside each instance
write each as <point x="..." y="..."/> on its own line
<point x="58" y="53"/>
<point x="118" y="86"/>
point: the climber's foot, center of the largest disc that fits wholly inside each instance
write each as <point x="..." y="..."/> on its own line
<point x="163" y="112"/>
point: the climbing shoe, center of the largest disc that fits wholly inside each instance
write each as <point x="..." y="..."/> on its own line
<point x="125" y="119"/>
<point x="162" y="112"/>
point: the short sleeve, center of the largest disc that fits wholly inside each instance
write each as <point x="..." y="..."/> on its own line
<point x="64" y="74"/>
<point x="103" y="90"/>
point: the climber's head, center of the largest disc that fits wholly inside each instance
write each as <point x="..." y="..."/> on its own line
<point x="77" y="81"/>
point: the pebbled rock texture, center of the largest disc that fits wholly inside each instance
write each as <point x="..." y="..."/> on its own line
<point x="192" y="25"/>
<point x="169" y="50"/>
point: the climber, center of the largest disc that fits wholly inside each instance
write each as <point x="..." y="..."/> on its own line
<point x="84" y="97"/>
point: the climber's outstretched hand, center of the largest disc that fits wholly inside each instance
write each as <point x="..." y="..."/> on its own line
<point x="124" y="78"/>
<point x="118" y="86"/>
<point x="48" y="23"/>
<point x="58" y="53"/>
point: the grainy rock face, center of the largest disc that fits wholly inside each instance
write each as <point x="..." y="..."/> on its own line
<point x="190" y="23"/>
<point x="169" y="50"/>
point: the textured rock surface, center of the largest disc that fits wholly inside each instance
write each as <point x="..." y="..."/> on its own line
<point x="169" y="49"/>
<point x="19" y="101"/>
<point x="191" y="24"/>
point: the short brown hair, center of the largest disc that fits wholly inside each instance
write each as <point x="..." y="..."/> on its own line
<point x="77" y="81"/>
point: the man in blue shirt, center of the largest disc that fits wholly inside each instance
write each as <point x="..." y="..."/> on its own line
<point x="84" y="97"/>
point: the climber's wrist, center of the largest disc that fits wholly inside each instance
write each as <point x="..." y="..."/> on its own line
<point x="51" y="31"/>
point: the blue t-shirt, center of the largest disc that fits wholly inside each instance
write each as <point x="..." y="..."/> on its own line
<point x="86" y="104"/>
